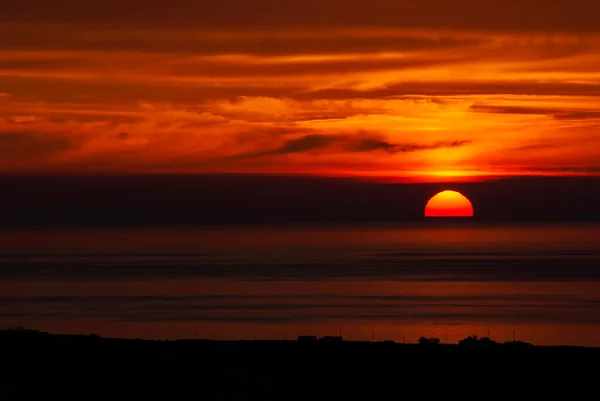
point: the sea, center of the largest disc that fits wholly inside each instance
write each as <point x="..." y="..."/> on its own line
<point x="538" y="283"/>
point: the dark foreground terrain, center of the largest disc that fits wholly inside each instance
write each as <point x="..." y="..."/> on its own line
<point x="39" y="366"/>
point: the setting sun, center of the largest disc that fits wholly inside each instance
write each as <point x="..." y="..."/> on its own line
<point x="449" y="204"/>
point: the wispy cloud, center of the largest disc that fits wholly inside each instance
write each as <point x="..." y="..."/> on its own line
<point x="303" y="144"/>
<point x="422" y="77"/>
<point x="349" y="143"/>
<point x="564" y="113"/>
<point x="375" y="144"/>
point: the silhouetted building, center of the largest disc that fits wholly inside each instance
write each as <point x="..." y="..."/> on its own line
<point x="306" y="339"/>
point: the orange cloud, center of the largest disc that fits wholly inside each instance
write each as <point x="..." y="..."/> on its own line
<point x="407" y="90"/>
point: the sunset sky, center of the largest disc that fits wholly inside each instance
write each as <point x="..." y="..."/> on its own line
<point x="377" y="88"/>
<point x="267" y="167"/>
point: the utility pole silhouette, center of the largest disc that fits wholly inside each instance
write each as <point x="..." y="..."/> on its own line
<point x="446" y="337"/>
<point x="372" y="336"/>
<point x="196" y="334"/>
<point x="514" y="337"/>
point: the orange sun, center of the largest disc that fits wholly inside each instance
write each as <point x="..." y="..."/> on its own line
<point x="449" y="204"/>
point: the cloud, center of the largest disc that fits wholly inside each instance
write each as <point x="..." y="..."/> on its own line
<point x="316" y="71"/>
<point x="315" y="68"/>
<point x="22" y="119"/>
<point x="555" y="16"/>
<point x="579" y="115"/>
<point x="201" y="43"/>
<point x="16" y="145"/>
<point x="567" y="169"/>
<point x="107" y="93"/>
<point x="478" y="108"/>
<point x="303" y="144"/>
<point x="457" y="88"/>
<point x="247" y="64"/>
<point x="533" y="146"/>
<point x="299" y="308"/>
<point x="291" y="300"/>
<point x="350" y="143"/>
<point x="367" y="145"/>
<point x="557" y="113"/>
<point x="43" y="63"/>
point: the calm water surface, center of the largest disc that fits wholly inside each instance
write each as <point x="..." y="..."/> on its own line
<point x="540" y="283"/>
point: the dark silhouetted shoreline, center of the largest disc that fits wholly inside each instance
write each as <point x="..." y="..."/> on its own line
<point x="38" y="365"/>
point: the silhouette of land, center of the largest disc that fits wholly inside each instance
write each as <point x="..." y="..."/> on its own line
<point x="39" y="366"/>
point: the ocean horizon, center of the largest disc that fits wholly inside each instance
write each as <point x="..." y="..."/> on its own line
<point x="536" y="282"/>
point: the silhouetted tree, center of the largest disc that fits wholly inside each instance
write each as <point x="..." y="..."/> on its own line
<point x="429" y="341"/>
<point x="473" y="341"/>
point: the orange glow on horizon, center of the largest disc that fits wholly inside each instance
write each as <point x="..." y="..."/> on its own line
<point x="449" y="204"/>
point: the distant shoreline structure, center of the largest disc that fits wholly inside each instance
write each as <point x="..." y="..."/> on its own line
<point x="22" y="334"/>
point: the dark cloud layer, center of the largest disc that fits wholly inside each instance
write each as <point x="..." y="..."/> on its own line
<point x="375" y="144"/>
<point x="15" y="145"/>
<point x="558" y="113"/>
<point x="303" y="144"/>
<point x="253" y="199"/>
<point x="303" y="309"/>
<point x="194" y="93"/>
<point x="70" y="38"/>
<point x="526" y="15"/>
<point x="353" y="143"/>
<point x="293" y="298"/>
<point x="224" y="69"/>
<point x="513" y="109"/>
<point x="458" y="88"/>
